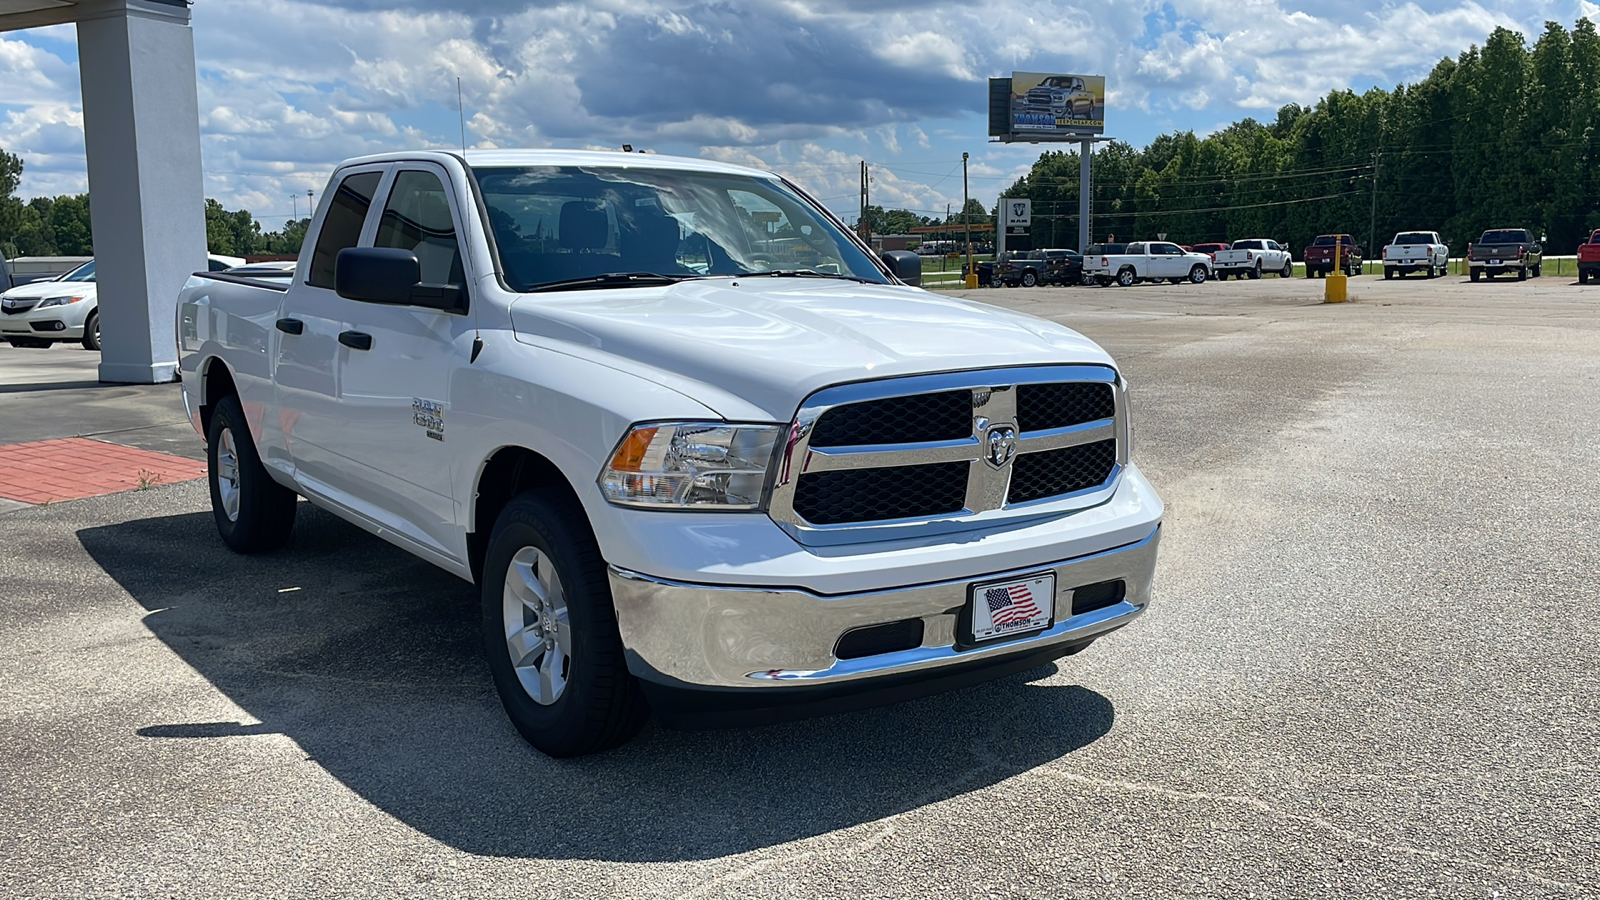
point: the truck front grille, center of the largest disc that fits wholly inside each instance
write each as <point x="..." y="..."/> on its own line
<point x="876" y="495"/>
<point x="944" y="416"/>
<point x="1067" y="470"/>
<point x="1058" y="405"/>
<point x="944" y="447"/>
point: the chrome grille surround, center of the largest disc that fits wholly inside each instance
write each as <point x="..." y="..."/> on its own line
<point x="994" y="406"/>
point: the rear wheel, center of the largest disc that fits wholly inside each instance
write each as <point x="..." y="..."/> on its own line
<point x="1126" y="277"/>
<point x="1474" y="274"/>
<point x="1522" y="273"/>
<point x="1103" y="280"/>
<point x="550" y="630"/>
<point x="91" y="331"/>
<point x="1222" y="274"/>
<point x="1388" y="273"/>
<point x="1583" y="276"/>
<point x="1538" y="270"/>
<point x="1198" y="274"/>
<point x="1256" y="272"/>
<point x="1029" y="279"/>
<point x="253" y="513"/>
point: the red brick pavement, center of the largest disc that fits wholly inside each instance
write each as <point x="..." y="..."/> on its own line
<point x="70" y="468"/>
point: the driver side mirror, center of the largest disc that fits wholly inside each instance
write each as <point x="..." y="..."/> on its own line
<point x="392" y="277"/>
<point x="905" y="265"/>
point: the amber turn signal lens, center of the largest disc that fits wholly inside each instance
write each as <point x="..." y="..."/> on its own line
<point x="630" y="456"/>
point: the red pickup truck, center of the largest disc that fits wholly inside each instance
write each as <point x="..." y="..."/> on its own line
<point x="1589" y="259"/>
<point x="1319" y="256"/>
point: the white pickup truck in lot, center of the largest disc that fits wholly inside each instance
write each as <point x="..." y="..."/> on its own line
<point x="1252" y="257"/>
<point x="704" y="453"/>
<point x="1147" y="261"/>
<point x="1415" y="251"/>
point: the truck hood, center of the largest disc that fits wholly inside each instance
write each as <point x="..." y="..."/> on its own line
<point x="756" y="347"/>
<point x="40" y="289"/>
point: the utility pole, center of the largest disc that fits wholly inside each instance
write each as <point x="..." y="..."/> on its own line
<point x="972" y="274"/>
<point x="295" y="199"/>
<point x="1372" y="227"/>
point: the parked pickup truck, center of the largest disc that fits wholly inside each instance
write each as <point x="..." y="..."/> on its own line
<point x="1319" y="256"/>
<point x="1250" y="258"/>
<point x="1415" y="251"/>
<point x="704" y="454"/>
<point x="1147" y="261"/>
<point x="1589" y="259"/>
<point x="1503" y="249"/>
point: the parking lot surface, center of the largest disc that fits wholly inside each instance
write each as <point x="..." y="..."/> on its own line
<point x="1372" y="666"/>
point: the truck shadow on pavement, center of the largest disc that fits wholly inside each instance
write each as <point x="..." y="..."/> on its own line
<point x="369" y="660"/>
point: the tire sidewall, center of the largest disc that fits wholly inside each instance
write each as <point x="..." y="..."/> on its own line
<point x="540" y="519"/>
<point x="1126" y="278"/>
<point x="1197" y="275"/>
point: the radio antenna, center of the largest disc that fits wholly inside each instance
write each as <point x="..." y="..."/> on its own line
<point x="461" y="110"/>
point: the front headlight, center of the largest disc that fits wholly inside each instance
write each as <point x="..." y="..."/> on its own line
<point x="691" y="465"/>
<point x="58" y="301"/>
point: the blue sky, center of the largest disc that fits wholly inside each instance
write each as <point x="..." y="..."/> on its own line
<point x="805" y="87"/>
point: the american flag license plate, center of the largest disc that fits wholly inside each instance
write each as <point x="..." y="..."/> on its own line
<point x="1018" y="606"/>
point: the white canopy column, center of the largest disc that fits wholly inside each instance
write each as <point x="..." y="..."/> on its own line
<point x="141" y="123"/>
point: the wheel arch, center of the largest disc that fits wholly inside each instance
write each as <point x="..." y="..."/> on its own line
<point x="216" y="382"/>
<point x="508" y="471"/>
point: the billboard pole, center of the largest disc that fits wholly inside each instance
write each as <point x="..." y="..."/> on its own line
<point x="1083" y="195"/>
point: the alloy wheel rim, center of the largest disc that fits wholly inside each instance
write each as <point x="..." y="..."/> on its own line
<point x="228" y="474"/>
<point x="538" y="629"/>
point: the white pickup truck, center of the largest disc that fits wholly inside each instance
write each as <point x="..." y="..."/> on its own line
<point x="1415" y="251"/>
<point x="1147" y="261"/>
<point x="704" y="453"/>
<point x="1253" y="257"/>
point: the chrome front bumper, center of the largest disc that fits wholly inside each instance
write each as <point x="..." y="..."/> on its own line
<point x="711" y="636"/>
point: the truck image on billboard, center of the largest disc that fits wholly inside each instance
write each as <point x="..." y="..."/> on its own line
<point x="1044" y="105"/>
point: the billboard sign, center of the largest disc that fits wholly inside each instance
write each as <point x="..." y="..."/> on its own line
<point x="1054" y="106"/>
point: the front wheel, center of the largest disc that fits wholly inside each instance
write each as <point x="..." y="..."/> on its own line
<point x="1198" y="274"/>
<point x="91" y="331"/>
<point x="1288" y="269"/>
<point x="550" y="630"/>
<point x="254" y="514"/>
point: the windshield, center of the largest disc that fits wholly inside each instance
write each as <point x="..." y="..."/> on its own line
<point x="1414" y="237"/>
<point x="1505" y="237"/>
<point x="556" y="224"/>
<point x="84" y="272"/>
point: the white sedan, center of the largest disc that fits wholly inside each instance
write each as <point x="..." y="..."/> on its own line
<point x="66" y="309"/>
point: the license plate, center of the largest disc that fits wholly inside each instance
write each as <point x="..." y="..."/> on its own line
<point x="1497" y="262"/>
<point x="1018" y="606"/>
<point x="1406" y="262"/>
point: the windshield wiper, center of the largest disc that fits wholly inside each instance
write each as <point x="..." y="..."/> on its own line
<point x="806" y="273"/>
<point x="610" y="279"/>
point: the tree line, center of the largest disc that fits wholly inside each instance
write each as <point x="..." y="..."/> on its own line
<point x="60" y="226"/>
<point x="1503" y="136"/>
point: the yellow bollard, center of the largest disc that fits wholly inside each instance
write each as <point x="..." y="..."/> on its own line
<point x="1335" y="288"/>
<point x="972" y="281"/>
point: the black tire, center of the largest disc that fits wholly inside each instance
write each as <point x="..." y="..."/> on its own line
<point x="1029" y="279"/>
<point x="1288" y="269"/>
<point x="1256" y="272"/>
<point x="1103" y="280"/>
<point x="600" y="704"/>
<point x="1538" y="270"/>
<point x="1522" y="273"/>
<point x="1583" y="276"/>
<point x="1197" y="274"/>
<point x="1174" y="281"/>
<point x="1474" y="274"/>
<point x="1222" y="274"/>
<point x="1388" y="273"/>
<point x="29" y="343"/>
<point x="1127" y="278"/>
<point x="1310" y="273"/>
<point x="91" y="331"/>
<point x="263" y="516"/>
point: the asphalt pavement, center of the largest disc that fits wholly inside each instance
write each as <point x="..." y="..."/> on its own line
<point x="1371" y="668"/>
